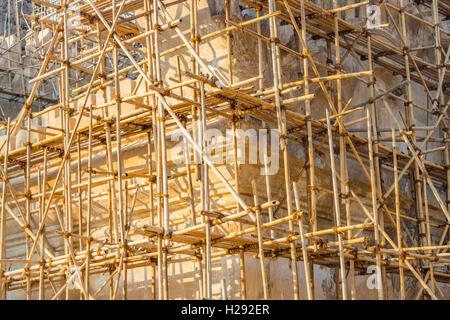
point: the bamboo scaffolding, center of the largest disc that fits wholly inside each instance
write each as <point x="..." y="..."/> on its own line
<point x="84" y="210"/>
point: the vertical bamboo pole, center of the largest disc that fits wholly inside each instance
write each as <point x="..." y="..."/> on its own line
<point x="89" y="204"/>
<point x="205" y="172"/>
<point x="311" y="191"/>
<point x="19" y="47"/>
<point x="154" y="288"/>
<point x="341" y="144"/>
<point x="80" y="191"/>
<point x="3" y="213"/>
<point x="224" y="290"/>
<point x="28" y="204"/>
<point x="150" y="199"/>
<point x="166" y="275"/>
<point x="345" y="184"/>
<point x="293" y="252"/>
<point x="65" y="117"/>
<point x="165" y="193"/>
<point x="42" y="258"/>
<point x="332" y="86"/>
<point x="275" y="71"/>
<point x="119" y="156"/>
<point x="9" y="37"/>
<point x="112" y="207"/>
<point x="160" y="266"/>
<point x="428" y="233"/>
<point x="260" y="242"/>
<point x="379" y="279"/>
<point x="306" y="263"/>
<point x="377" y="163"/>
<point x="201" y="284"/>
<point x="242" y="274"/>
<point x="344" y="187"/>
<point x="281" y="120"/>
<point x="112" y="186"/>
<point x="125" y="263"/>
<point x="205" y="197"/>
<point x="208" y="264"/>
<point x="194" y="68"/>
<point x="102" y="68"/>
<point x="441" y="71"/>
<point x="165" y="188"/>
<point x="156" y="72"/>
<point x="411" y="123"/>
<point x="162" y="292"/>
<point x="229" y="43"/>
<point x="437" y="46"/>
<point x="337" y="209"/>
<point x="260" y="51"/>
<point x="397" y="215"/>
<point x="268" y="191"/>
<point x="150" y="181"/>
<point x="43" y="191"/>
<point x="234" y="123"/>
<point x="150" y="69"/>
<point x="112" y="204"/>
<point x="187" y="161"/>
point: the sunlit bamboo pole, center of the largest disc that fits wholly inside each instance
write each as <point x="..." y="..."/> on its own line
<point x="379" y="279"/>
<point x="397" y="215"/>
<point x="3" y="212"/>
<point x="260" y="242"/>
<point x="337" y="211"/>
<point x="374" y="128"/>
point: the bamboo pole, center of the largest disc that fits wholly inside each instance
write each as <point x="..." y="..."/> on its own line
<point x="42" y="205"/>
<point x="374" y="126"/>
<point x="379" y="279"/>
<point x="337" y="211"/>
<point x="411" y="123"/>
<point x="27" y="191"/>
<point x="428" y="236"/>
<point x="397" y="215"/>
<point x="89" y="202"/>
<point x="3" y="214"/>
<point x="260" y="242"/>
<point x="308" y="277"/>
<point x="206" y="205"/>
<point x="125" y="263"/>
<point x="242" y="274"/>
<point x="281" y="120"/>
<point x="229" y="43"/>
